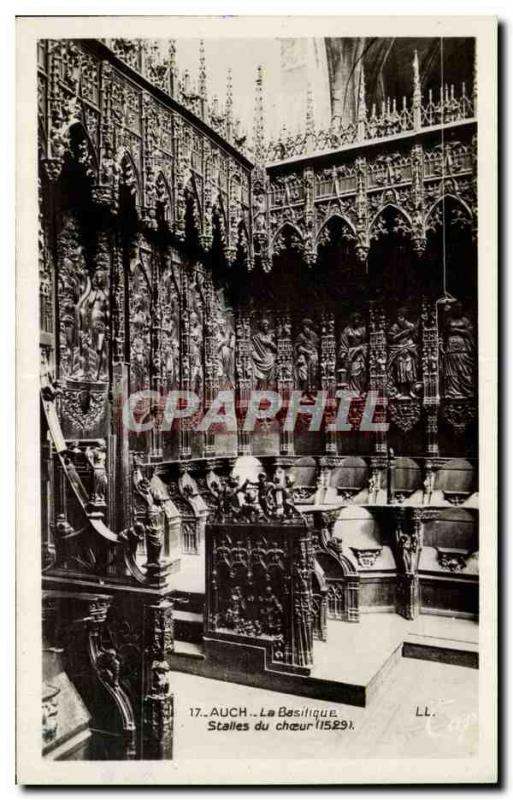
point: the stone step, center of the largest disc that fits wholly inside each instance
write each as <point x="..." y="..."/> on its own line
<point x="445" y="651"/>
<point x="187" y="616"/>
<point x="188" y="650"/>
<point x="188" y="625"/>
<point x="188" y="601"/>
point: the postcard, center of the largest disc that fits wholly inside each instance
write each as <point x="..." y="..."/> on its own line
<point x="257" y="400"/>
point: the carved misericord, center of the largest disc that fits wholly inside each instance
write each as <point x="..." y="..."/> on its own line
<point x="367" y="557"/>
<point x="452" y="559"/>
<point x="455" y="498"/>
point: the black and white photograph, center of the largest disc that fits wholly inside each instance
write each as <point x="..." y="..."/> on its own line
<point x="261" y="338"/>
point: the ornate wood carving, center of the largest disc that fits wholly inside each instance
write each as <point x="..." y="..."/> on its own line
<point x="260" y="588"/>
<point x="49" y="713"/>
<point x="408" y="547"/>
<point x="430" y="373"/>
<point x="404" y="371"/>
<point x="417" y="199"/>
<point x="244" y="373"/>
<point x="158" y="709"/>
<point x="152" y="526"/>
<point x="367" y="557"/>
<point x="93" y="667"/>
<point x="328" y="372"/>
<point x="284" y="372"/>
<point x="452" y="559"/>
<point x="361" y="206"/>
<point x="378" y="367"/>
<point x="341" y="577"/>
<point x="139" y="294"/>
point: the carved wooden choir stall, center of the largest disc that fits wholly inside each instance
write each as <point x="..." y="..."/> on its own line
<point x="177" y="256"/>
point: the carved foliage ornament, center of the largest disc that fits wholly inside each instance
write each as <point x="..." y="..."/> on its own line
<point x="452" y="560"/>
<point x="83" y="408"/>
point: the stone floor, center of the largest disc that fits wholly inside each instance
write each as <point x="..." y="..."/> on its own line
<point x="354" y="653"/>
<point x="423" y="709"/>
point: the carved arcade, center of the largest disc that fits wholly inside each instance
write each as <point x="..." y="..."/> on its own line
<point x="176" y="256"/>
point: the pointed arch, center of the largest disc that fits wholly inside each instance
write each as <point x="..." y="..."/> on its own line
<point x="242" y="232"/>
<point x="129" y="175"/>
<point x="332" y="217"/>
<point x="219" y="216"/>
<point x="452" y="198"/>
<point x="236" y="188"/>
<point x="191" y="191"/>
<point x="389" y="207"/>
<point x="287" y="227"/>
<point x="164" y="197"/>
<point x="83" y="149"/>
<point x="243" y="242"/>
<point x="288" y="237"/>
<point x="193" y="211"/>
<point x="392" y="259"/>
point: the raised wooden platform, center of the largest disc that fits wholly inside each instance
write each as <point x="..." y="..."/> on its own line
<point x="350" y="667"/>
